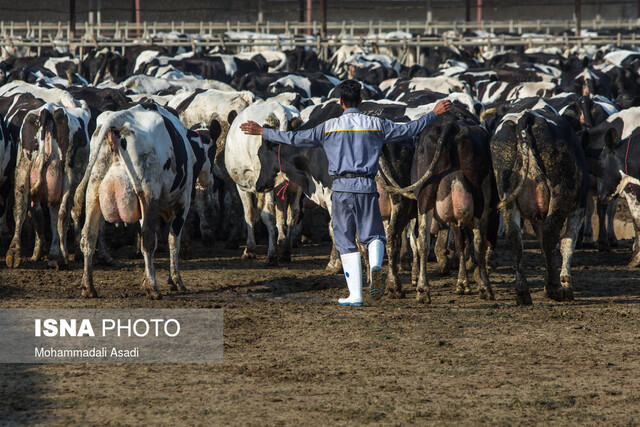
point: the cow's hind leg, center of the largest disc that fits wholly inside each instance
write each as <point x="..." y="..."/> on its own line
<point x="611" y="232"/>
<point x="603" y="241"/>
<point x="292" y="215"/>
<point x="587" y="241"/>
<point x="480" y="249"/>
<point x="37" y="217"/>
<point x="423" y="293"/>
<point x="514" y="233"/>
<point x="550" y="237"/>
<point x="250" y="219"/>
<point x="104" y="257"/>
<point x="567" y="246"/>
<point x="54" y="249"/>
<point x="89" y="238"/>
<point x="334" y="266"/>
<point x="444" y="257"/>
<point x="175" y="232"/>
<point x="149" y="244"/>
<point x="268" y="216"/>
<point x="400" y="215"/>
<point x="462" y="287"/>
<point x="413" y="241"/>
<point x="21" y="199"/>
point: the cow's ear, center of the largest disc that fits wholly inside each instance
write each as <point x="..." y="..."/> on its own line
<point x="232" y="116"/>
<point x="611" y="138"/>
<point x="215" y="129"/>
<point x="272" y="121"/>
<point x="295" y="123"/>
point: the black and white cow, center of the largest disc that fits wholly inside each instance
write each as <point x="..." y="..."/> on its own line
<point x="307" y="85"/>
<point x="243" y="161"/>
<point x="541" y="174"/>
<point x="616" y="142"/>
<point x="215" y="111"/>
<point x="397" y="88"/>
<point x="629" y="187"/>
<point x="488" y="92"/>
<point x="51" y="160"/>
<point x="7" y="166"/>
<point x="13" y="109"/>
<point x="143" y="164"/>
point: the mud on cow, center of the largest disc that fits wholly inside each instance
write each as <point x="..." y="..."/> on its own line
<point x="243" y="162"/>
<point x="52" y="156"/>
<point x="143" y="164"/>
<point x="541" y="175"/>
<point x="454" y="186"/>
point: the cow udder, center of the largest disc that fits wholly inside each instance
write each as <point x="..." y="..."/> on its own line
<point x="118" y="200"/>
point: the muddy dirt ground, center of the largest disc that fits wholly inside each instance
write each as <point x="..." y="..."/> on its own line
<point x="293" y="356"/>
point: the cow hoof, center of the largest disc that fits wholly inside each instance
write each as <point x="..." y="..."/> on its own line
<point x="559" y="293"/>
<point x="395" y="293"/>
<point x="486" y="294"/>
<point x="57" y="264"/>
<point x="568" y="293"/>
<point x="248" y="255"/>
<point x="604" y="246"/>
<point x="89" y="293"/>
<point x="272" y="261"/>
<point x="460" y="290"/>
<point x="523" y="298"/>
<point x="13" y="258"/>
<point x="154" y="295"/>
<point x="445" y="266"/>
<point x="476" y="276"/>
<point x="332" y="269"/>
<point x="613" y="243"/>
<point x="635" y="262"/>
<point x="176" y="285"/>
<point x="423" y="297"/>
<point x="405" y="264"/>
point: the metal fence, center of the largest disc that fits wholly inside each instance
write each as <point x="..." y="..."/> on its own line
<point x="278" y="35"/>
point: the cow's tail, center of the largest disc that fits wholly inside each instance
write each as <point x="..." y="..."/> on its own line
<point x="486" y="113"/>
<point x="394" y="188"/>
<point x="522" y="131"/>
<point x="43" y="158"/>
<point x="102" y="133"/>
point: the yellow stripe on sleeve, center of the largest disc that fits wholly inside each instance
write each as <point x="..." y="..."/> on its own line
<point x="353" y="130"/>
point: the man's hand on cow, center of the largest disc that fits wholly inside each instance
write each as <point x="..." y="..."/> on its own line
<point x="251" y="128"/>
<point x="442" y="107"/>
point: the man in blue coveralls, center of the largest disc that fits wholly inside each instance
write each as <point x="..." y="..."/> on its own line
<point x="353" y="143"/>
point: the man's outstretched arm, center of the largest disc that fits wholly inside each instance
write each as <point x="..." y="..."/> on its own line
<point x="394" y="132"/>
<point x="304" y="138"/>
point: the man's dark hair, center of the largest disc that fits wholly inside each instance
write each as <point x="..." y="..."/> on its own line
<point x="350" y="93"/>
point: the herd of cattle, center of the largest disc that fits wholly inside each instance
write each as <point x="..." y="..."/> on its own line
<point x="150" y="135"/>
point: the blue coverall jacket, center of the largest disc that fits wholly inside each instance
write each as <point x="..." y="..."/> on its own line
<point x="352" y="143"/>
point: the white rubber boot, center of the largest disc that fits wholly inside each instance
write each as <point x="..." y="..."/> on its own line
<point x="376" y="255"/>
<point x="352" y="266"/>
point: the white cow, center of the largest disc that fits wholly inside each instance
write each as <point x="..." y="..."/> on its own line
<point x="144" y="163"/>
<point x="242" y="159"/>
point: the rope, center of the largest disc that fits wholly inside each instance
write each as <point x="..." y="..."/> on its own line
<point x="283" y="190"/>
